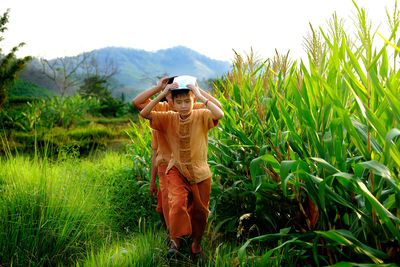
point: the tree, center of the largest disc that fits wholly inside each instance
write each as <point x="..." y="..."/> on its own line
<point x="96" y="86"/>
<point x="71" y="72"/>
<point x="103" y="70"/>
<point x="10" y="65"/>
<point x="62" y="71"/>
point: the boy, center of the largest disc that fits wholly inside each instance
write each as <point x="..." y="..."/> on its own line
<point x="188" y="174"/>
<point x="161" y="150"/>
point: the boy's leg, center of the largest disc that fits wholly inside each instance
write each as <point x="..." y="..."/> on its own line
<point x="163" y="189"/>
<point x="179" y="219"/>
<point x="159" y="207"/>
<point x="199" y="211"/>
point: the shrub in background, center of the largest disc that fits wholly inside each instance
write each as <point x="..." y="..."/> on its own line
<point x="97" y="87"/>
<point x="140" y="154"/>
<point x="48" y="113"/>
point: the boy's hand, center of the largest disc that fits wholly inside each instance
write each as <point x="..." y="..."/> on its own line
<point x="162" y="83"/>
<point x="153" y="189"/>
<point x="195" y="89"/>
<point x="168" y="88"/>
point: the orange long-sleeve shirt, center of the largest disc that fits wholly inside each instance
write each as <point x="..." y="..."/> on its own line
<point x="158" y="139"/>
<point x="188" y="140"/>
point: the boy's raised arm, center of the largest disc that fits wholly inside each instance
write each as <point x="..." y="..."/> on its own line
<point x="141" y="100"/>
<point x="216" y="112"/>
<point x="146" y="112"/>
<point x="210" y="97"/>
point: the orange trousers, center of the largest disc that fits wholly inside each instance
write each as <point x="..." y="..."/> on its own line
<point x="162" y="193"/>
<point x="188" y="205"/>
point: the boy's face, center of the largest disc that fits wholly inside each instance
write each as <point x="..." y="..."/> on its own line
<point x="183" y="104"/>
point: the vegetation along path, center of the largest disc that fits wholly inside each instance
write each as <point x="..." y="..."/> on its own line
<point x="305" y="163"/>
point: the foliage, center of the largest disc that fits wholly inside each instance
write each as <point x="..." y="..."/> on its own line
<point x="29" y="123"/>
<point x="47" y="113"/>
<point x="63" y="71"/>
<point x="305" y="163"/>
<point x="312" y="154"/>
<point x="95" y="86"/>
<point x="149" y="248"/>
<point x="139" y="151"/>
<point x="130" y="202"/>
<point x="50" y="214"/>
<point x="130" y="190"/>
<point x="54" y="211"/>
<point x="113" y="107"/>
<point x="10" y="65"/>
<point x="84" y="139"/>
<point x="28" y="89"/>
<point x="17" y="101"/>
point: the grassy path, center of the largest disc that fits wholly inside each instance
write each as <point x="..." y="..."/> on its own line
<point x="149" y="248"/>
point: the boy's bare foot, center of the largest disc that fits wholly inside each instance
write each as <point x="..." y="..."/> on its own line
<point x="196" y="248"/>
<point x="174" y="248"/>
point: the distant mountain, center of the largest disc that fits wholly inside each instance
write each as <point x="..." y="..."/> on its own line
<point x="139" y="68"/>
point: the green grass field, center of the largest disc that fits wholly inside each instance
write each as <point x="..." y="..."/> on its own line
<point x="64" y="212"/>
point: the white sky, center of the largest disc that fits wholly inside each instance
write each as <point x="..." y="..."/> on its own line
<point x="52" y="28"/>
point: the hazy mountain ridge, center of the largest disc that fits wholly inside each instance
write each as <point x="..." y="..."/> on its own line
<point x="138" y="68"/>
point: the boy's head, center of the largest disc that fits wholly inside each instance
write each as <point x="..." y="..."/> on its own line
<point x="168" y="97"/>
<point x="183" y="100"/>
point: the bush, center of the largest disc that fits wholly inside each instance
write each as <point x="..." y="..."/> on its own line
<point x="130" y="202"/>
<point x="96" y="86"/>
<point x="47" y="113"/>
<point x="137" y="185"/>
<point x="112" y="107"/>
<point x="24" y="88"/>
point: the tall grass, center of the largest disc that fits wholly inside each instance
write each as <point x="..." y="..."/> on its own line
<point x="149" y="248"/>
<point x="142" y="249"/>
<point x="54" y="212"/>
<point x="47" y="216"/>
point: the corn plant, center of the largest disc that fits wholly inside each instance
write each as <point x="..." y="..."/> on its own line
<point x="314" y="152"/>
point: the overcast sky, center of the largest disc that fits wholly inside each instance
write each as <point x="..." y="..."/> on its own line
<point x="52" y="28"/>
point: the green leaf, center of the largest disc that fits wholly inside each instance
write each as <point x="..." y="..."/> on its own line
<point x="286" y="168"/>
<point x="391" y="150"/>
<point x="330" y="170"/>
<point x="383" y="171"/>
<point x="355" y="64"/>
<point x="384" y="215"/>
<point x="344" y="237"/>
<point x="383" y="71"/>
